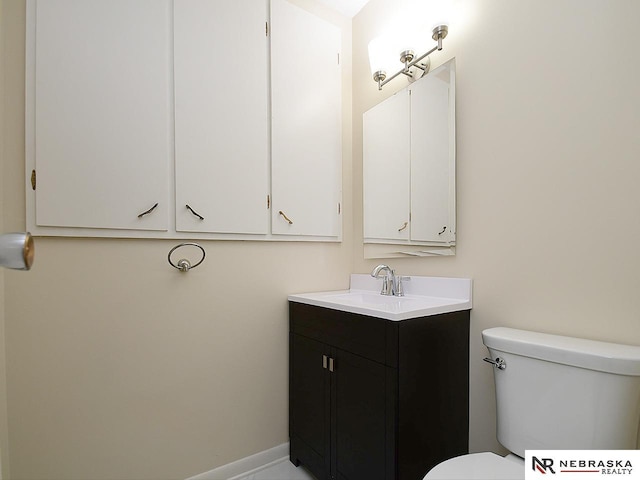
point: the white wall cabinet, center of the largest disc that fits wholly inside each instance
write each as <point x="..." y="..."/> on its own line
<point x="102" y="116"/>
<point x="221" y="114"/>
<point x="152" y="105"/>
<point x="409" y="164"/>
<point x="306" y="123"/>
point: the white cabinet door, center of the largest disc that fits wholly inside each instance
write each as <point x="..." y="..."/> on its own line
<point x="306" y="123"/>
<point x="221" y="110"/>
<point x="386" y="172"/>
<point x="432" y="171"/>
<point x="103" y="140"/>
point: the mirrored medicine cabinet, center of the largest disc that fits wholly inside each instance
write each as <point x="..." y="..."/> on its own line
<point x="409" y="157"/>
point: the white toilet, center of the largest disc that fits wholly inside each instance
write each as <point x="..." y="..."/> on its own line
<point x="554" y="393"/>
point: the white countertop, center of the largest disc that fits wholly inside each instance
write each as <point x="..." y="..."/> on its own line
<point x="424" y="296"/>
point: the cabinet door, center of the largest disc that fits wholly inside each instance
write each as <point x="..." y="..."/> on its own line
<point x="309" y="404"/>
<point x="221" y="109"/>
<point x="306" y="123"/>
<point x="386" y="155"/>
<point x="432" y="164"/>
<point x="363" y="415"/>
<point x="103" y="124"/>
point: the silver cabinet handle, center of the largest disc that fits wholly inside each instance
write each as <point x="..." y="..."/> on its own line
<point x="147" y="212"/>
<point x="194" y="212"/>
<point x="328" y="362"/>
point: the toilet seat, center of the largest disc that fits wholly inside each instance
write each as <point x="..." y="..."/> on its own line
<point x="478" y="466"/>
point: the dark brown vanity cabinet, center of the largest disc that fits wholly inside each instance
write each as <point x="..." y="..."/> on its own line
<point x="375" y="399"/>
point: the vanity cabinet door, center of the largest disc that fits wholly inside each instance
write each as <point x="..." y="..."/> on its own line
<point x="362" y="421"/>
<point x="386" y="173"/>
<point x="102" y="146"/>
<point x="342" y="403"/>
<point x="342" y="410"/>
<point x="221" y="111"/>
<point x="306" y="115"/>
<point x="309" y="404"/>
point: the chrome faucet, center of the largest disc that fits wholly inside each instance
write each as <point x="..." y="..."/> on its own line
<point x="391" y="284"/>
<point x="387" y="280"/>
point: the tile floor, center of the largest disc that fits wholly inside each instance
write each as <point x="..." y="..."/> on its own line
<point x="280" y="471"/>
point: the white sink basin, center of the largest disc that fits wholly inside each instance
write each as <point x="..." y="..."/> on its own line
<point x="424" y="296"/>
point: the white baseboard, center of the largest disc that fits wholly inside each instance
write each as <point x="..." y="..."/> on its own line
<point x="246" y="466"/>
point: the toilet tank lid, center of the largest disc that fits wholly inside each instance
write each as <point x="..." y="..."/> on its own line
<point x="578" y="352"/>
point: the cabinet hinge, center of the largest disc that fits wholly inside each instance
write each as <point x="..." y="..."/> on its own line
<point x="33" y="179"/>
<point x="268" y="202"/>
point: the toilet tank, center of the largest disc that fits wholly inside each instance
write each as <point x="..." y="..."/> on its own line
<point x="564" y="393"/>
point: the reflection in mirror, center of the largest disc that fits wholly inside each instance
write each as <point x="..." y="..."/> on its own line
<point x="409" y="170"/>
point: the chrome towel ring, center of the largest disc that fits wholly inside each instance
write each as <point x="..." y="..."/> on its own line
<point x="184" y="265"/>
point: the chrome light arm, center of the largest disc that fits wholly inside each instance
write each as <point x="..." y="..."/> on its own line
<point x="438" y="33"/>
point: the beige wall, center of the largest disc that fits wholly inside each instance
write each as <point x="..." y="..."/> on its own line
<point x="119" y="366"/>
<point x="548" y="167"/>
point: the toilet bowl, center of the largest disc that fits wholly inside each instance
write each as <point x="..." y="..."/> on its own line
<point x="479" y="466"/>
<point x="542" y="380"/>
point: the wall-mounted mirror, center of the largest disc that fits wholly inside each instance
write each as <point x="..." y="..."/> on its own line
<point x="409" y="159"/>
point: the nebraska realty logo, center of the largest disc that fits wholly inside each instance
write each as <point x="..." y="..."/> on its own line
<point x="582" y="464"/>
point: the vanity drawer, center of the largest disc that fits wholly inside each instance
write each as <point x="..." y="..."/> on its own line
<point x="369" y="337"/>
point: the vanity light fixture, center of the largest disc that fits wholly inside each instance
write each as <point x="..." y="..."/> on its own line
<point x="16" y="250"/>
<point x="408" y="58"/>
